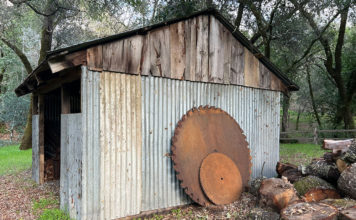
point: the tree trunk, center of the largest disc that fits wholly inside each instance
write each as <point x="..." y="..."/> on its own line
<point x="285" y="108"/>
<point x="298" y="117"/>
<point x="312" y="98"/>
<point x="26" y="142"/>
<point x="315" y="211"/>
<point x="347" y="181"/>
<point x="46" y="43"/>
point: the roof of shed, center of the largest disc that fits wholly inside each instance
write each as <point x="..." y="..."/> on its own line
<point x="25" y="88"/>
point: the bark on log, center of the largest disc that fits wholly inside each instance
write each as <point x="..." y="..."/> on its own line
<point x="277" y="193"/>
<point x="341" y="165"/>
<point x="281" y="167"/>
<point x="323" y="169"/>
<point x="315" y="211"/>
<point x="314" y="189"/>
<point x="329" y="157"/>
<point x="337" y="146"/>
<point x="348" y="214"/>
<point x="347" y="181"/>
<point x="340" y="204"/>
<point x="292" y="175"/>
<point x="349" y="156"/>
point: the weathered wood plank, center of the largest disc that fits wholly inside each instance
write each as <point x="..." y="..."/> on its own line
<point x="191" y="49"/>
<point x="227" y="39"/>
<point x="124" y="55"/>
<point x="95" y="58"/>
<point x="265" y="81"/>
<point x="237" y="63"/>
<point x="145" y="62"/>
<point x="216" y="53"/>
<point x="177" y="41"/>
<point x="67" y="61"/>
<point x="251" y="70"/>
<point x="65" y="100"/>
<point x="202" y="56"/>
<point x="160" y="52"/>
<point x="275" y="82"/>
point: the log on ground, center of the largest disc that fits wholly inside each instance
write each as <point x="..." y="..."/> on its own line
<point x="347" y="181"/>
<point x="277" y="193"/>
<point x="304" y="210"/>
<point x="281" y="167"/>
<point x="323" y="169"/>
<point x="340" y="204"/>
<point x="313" y="189"/>
<point x="337" y="145"/>
<point x="348" y="214"/>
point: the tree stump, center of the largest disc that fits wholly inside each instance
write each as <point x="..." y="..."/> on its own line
<point x="314" y="211"/>
<point x="323" y="169"/>
<point x="314" y="189"/>
<point x="277" y="193"/>
<point x="348" y="214"/>
<point x="347" y="181"/>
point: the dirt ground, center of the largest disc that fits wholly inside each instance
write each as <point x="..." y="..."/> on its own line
<point x="18" y="193"/>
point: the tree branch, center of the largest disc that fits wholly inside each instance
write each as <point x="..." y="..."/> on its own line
<point x="340" y="40"/>
<point x="19" y="53"/>
<point x="238" y="19"/>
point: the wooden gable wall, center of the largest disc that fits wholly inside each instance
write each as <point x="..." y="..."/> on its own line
<point x="198" y="49"/>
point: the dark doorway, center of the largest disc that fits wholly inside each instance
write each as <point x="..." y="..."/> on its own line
<point x="52" y="135"/>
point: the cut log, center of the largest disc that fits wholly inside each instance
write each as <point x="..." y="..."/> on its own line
<point x="329" y="157"/>
<point x="281" y="167"/>
<point x="314" y="189"/>
<point x="314" y="211"/>
<point x="337" y="146"/>
<point x="277" y="193"/>
<point x="263" y="214"/>
<point x="348" y="214"/>
<point x="340" y="204"/>
<point x="255" y="185"/>
<point x="292" y="175"/>
<point x="347" y="181"/>
<point x="323" y="169"/>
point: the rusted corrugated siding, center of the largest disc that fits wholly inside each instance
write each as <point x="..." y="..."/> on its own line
<point x="71" y="164"/>
<point x="35" y="149"/>
<point x="120" y="145"/>
<point x="91" y="199"/>
<point x="165" y="101"/>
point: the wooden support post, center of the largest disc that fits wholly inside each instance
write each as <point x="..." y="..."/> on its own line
<point x="65" y="99"/>
<point x="315" y="136"/>
<point x="41" y="138"/>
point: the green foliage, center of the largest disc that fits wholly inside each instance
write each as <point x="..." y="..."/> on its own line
<point x="54" y="214"/>
<point x="13" y="160"/>
<point x="299" y="153"/>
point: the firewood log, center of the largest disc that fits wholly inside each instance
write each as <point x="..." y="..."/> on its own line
<point x="277" y="193"/>
<point x="336" y="146"/>
<point x="347" y="181"/>
<point x="323" y="169"/>
<point x="281" y="167"/>
<point x="340" y="204"/>
<point x="348" y="214"/>
<point x="341" y="165"/>
<point x="349" y="156"/>
<point x="314" y="189"/>
<point x="292" y="175"/>
<point x="314" y="211"/>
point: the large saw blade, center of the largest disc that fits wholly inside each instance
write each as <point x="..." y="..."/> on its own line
<point x="202" y="131"/>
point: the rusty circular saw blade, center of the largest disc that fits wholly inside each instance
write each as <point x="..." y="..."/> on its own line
<point x="202" y="131"/>
<point x="220" y="179"/>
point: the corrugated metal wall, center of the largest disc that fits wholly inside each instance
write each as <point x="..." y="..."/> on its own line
<point x="71" y="164"/>
<point x="91" y="200"/>
<point x="35" y="149"/>
<point x="120" y="143"/>
<point x="165" y="101"/>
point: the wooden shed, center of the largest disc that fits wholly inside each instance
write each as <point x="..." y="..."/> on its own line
<point x="104" y="111"/>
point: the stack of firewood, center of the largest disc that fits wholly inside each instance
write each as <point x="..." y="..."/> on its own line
<point x="325" y="189"/>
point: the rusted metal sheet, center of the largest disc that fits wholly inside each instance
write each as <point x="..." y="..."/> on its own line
<point x="120" y="145"/>
<point x="200" y="132"/>
<point x="71" y="164"/>
<point x="91" y="200"/>
<point x="220" y="179"/>
<point x="165" y="101"/>
<point x="35" y="149"/>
